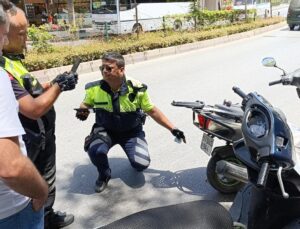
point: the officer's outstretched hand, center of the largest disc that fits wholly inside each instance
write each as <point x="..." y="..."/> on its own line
<point x="82" y="114"/>
<point x="178" y="134"/>
<point x="66" y="81"/>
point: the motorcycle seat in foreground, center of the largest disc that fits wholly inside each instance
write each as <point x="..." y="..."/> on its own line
<point x="202" y="214"/>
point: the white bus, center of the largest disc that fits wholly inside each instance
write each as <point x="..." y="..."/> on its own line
<point x="262" y="6"/>
<point x="119" y="16"/>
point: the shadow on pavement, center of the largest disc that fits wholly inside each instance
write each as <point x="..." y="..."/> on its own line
<point x="190" y="181"/>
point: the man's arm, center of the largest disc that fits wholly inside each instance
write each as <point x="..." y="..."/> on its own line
<point x="160" y="118"/>
<point x="84" y="105"/>
<point x="34" y="108"/>
<point x="18" y="172"/>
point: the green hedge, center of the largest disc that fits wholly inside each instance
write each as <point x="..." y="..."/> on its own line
<point x="64" y="55"/>
<point x="204" y="18"/>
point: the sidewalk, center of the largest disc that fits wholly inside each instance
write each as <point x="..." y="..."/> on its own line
<point x="92" y="66"/>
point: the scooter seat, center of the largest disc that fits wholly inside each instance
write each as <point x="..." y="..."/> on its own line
<point x="204" y="214"/>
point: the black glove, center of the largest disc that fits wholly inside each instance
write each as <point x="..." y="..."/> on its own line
<point x="178" y="134"/>
<point x="82" y="114"/>
<point x="66" y="81"/>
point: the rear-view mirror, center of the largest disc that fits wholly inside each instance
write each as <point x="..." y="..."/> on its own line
<point x="268" y="62"/>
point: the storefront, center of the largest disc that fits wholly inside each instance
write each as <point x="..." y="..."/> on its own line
<point x="36" y="10"/>
<point x="57" y="11"/>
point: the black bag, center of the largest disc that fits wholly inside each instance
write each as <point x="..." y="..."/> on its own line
<point x="87" y="141"/>
<point x="99" y="133"/>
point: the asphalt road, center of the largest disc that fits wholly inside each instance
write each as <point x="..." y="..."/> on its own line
<point x="178" y="171"/>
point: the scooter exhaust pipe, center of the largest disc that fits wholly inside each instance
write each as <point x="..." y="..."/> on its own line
<point x="232" y="171"/>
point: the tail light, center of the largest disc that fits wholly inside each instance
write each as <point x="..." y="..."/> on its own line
<point x="208" y="124"/>
<point x="203" y="121"/>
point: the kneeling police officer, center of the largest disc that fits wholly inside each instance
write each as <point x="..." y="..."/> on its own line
<point x="120" y="103"/>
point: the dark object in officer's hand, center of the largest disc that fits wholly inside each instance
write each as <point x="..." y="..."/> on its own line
<point x="178" y="134"/>
<point x="82" y="114"/>
<point x="66" y="81"/>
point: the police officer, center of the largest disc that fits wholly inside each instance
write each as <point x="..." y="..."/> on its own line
<point x="37" y="114"/>
<point x="120" y="103"/>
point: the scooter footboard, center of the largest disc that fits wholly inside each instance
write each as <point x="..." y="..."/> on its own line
<point x="196" y="214"/>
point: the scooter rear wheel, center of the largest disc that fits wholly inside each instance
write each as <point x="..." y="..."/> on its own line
<point x="218" y="181"/>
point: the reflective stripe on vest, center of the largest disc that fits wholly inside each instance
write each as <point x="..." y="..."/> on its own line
<point x="17" y="70"/>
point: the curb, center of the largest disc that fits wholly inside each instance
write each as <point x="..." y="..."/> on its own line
<point x="93" y="66"/>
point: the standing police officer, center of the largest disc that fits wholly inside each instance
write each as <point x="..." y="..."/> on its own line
<point x="120" y="103"/>
<point x="37" y="114"/>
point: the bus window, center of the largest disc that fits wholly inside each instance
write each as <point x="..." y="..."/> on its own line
<point x="125" y="5"/>
<point x="242" y="2"/>
<point x="104" y="7"/>
<point x="262" y="1"/>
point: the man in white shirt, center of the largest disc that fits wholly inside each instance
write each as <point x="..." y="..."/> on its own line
<point x="23" y="191"/>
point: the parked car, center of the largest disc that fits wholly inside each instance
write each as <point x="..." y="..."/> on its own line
<point x="293" y="16"/>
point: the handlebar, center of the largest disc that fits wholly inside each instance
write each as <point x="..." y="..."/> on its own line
<point x="239" y="92"/>
<point x="263" y="175"/>
<point x="275" y="82"/>
<point x="193" y="105"/>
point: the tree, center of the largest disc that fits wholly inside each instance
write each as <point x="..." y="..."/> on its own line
<point x="71" y="13"/>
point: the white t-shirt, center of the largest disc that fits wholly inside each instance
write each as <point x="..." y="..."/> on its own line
<point x="11" y="202"/>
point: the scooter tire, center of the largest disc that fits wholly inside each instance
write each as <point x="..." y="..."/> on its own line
<point x="222" y="184"/>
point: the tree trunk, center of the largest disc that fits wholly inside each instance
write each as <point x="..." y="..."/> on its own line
<point x="71" y="13"/>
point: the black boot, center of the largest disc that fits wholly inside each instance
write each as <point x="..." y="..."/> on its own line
<point x="101" y="184"/>
<point x="54" y="220"/>
<point x="102" y="181"/>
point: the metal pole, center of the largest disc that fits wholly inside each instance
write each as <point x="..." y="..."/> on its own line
<point x="106" y="31"/>
<point x="137" y="20"/>
<point x="271" y="10"/>
<point x="164" y="25"/>
<point x="118" y="17"/>
<point x="246" y="14"/>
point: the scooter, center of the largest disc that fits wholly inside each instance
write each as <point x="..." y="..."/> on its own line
<point x="225" y="172"/>
<point x="222" y="121"/>
<point x="239" y="172"/>
<point x="271" y="199"/>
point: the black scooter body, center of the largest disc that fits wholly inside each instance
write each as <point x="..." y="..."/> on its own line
<point x="267" y="150"/>
<point x="259" y="208"/>
<point x="259" y="113"/>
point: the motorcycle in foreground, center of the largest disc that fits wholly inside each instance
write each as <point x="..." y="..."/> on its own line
<point x="271" y="199"/>
<point x="222" y="121"/>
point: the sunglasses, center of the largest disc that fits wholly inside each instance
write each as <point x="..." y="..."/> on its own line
<point x="106" y="67"/>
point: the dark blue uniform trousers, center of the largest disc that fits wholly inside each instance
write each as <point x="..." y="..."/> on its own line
<point x="134" y="145"/>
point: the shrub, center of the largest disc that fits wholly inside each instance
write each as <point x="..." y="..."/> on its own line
<point x="40" y="38"/>
<point x="64" y="55"/>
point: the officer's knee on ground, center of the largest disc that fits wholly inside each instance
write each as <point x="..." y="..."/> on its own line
<point x="140" y="167"/>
